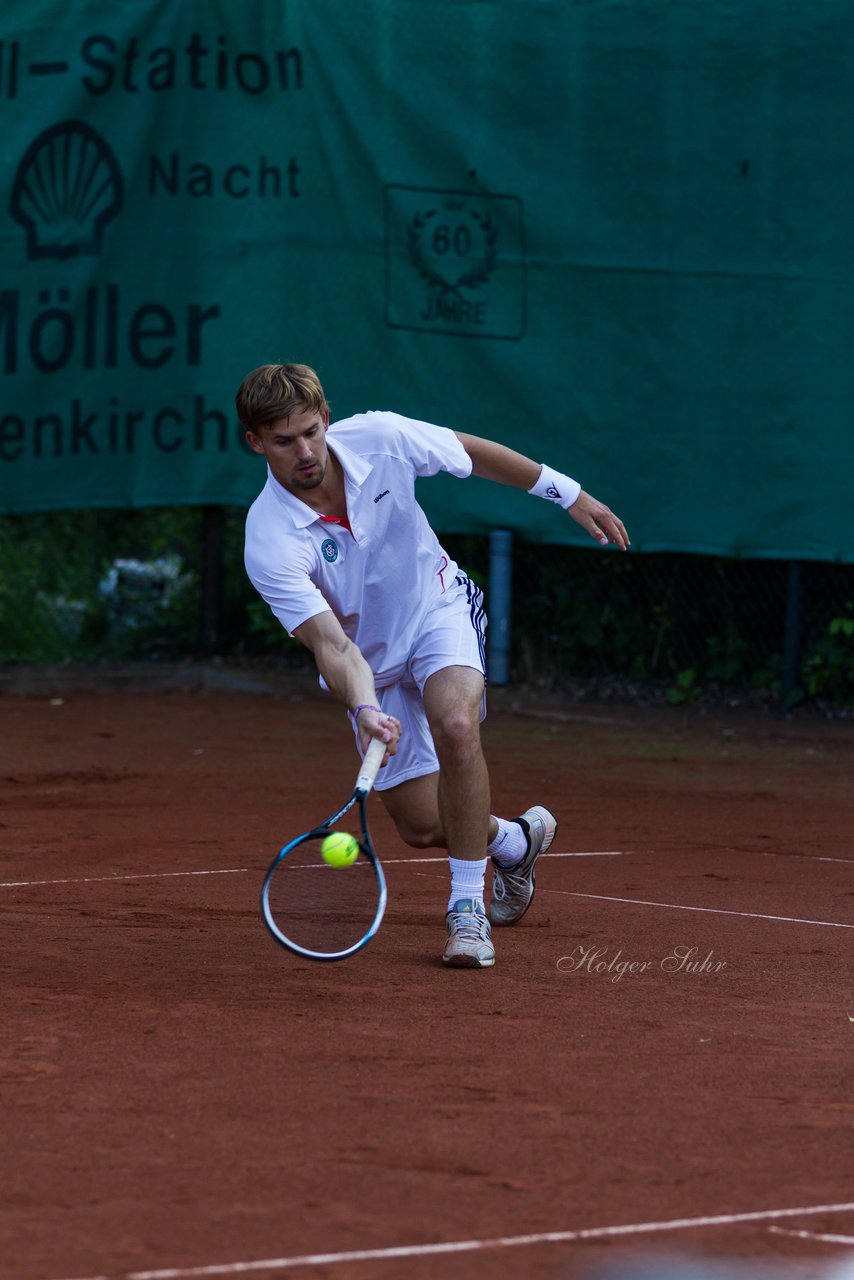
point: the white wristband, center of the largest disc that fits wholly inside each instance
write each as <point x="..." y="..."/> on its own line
<point x="554" y="487"/>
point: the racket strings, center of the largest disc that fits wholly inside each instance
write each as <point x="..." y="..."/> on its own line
<point x="321" y="909"/>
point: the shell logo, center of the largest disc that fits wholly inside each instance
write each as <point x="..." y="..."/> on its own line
<point x="67" y="188"/>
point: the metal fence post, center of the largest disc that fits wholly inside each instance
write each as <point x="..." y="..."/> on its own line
<point x="792" y="636"/>
<point x="212" y="538"/>
<point x="500" y="595"/>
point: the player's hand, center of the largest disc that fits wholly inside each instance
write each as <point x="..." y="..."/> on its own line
<point x="599" y="521"/>
<point x="376" y="724"/>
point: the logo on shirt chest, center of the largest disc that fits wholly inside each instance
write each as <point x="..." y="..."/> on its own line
<point x="329" y="550"/>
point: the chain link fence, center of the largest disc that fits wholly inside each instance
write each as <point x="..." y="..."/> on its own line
<point x="168" y="583"/>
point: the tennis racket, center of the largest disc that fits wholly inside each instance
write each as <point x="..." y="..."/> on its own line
<point x="323" y="912"/>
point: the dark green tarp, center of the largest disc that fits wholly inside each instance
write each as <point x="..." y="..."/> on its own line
<point x="615" y="234"/>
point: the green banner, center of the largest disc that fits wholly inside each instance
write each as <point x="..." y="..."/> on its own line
<point x="611" y="234"/>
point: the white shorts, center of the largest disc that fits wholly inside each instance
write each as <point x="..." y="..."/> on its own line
<point x="452" y="636"/>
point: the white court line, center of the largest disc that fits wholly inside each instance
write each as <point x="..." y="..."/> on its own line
<point x="394" y="862"/>
<point x="604" y="853"/>
<point x="470" y="1246"/>
<point x="823" y="1236"/>
<point x="812" y="857"/>
<point x="235" y="871"/>
<point x="150" y="875"/>
<point x="714" y="911"/>
<point x="597" y="897"/>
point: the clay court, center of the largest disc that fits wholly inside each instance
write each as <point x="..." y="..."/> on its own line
<point x="659" y="1062"/>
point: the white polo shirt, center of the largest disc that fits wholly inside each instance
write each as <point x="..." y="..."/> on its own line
<point x="382" y="579"/>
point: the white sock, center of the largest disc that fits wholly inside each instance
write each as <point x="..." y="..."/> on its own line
<point x="467" y="880"/>
<point x="510" y="844"/>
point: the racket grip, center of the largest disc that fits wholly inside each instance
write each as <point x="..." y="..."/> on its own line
<point x="370" y="766"/>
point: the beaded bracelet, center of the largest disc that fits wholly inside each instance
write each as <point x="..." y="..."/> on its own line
<point x="365" y="706"/>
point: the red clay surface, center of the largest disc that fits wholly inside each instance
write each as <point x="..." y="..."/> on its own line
<point x="180" y="1093"/>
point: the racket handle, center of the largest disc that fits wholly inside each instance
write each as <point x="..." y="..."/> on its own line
<point x="370" y="766"/>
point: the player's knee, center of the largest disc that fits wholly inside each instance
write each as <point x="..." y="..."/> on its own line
<point x="457" y="736"/>
<point x="418" y="837"/>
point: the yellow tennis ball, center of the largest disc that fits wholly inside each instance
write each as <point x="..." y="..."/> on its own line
<point x="339" y="849"/>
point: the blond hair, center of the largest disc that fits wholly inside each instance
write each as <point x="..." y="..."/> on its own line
<point x="276" y="391"/>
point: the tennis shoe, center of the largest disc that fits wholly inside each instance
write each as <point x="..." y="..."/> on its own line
<point x="513" y="887"/>
<point x="469" y="944"/>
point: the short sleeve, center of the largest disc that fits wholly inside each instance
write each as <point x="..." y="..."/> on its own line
<point x="429" y="448"/>
<point x="282" y="579"/>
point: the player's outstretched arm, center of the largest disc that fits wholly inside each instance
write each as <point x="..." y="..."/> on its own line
<point x="493" y="461"/>
<point x="349" y="678"/>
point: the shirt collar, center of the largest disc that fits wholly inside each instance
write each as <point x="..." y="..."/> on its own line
<point x="356" y="471"/>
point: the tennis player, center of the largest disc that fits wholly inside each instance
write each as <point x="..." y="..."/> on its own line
<point x="342" y="553"/>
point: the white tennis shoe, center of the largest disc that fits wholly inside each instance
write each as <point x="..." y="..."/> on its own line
<point x="513" y="887"/>
<point x="469" y="944"/>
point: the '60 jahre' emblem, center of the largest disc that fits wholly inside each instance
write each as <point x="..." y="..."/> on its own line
<point x="453" y="254"/>
<point x="455" y="262"/>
